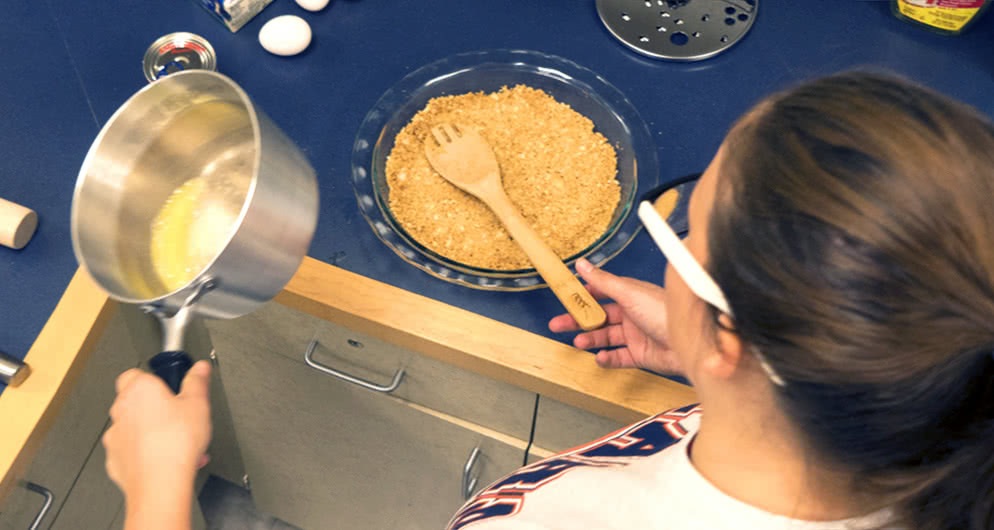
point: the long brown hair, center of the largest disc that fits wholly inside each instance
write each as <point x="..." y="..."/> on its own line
<point x="853" y="236"/>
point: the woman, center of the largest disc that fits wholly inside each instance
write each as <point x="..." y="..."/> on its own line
<point x="839" y="337"/>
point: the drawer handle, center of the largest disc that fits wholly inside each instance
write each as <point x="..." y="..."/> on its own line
<point x="309" y="359"/>
<point x="469" y="483"/>
<point x="49" y="499"/>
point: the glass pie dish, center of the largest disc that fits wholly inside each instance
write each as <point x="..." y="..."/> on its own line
<point x="583" y="90"/>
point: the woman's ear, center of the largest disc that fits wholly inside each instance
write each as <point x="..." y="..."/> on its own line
<point x="727" y="357"/>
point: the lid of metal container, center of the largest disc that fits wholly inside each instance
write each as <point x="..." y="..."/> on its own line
<point x="177" y="52"/>
<point x="678" y="30"/>
<point x="13" y="371"/>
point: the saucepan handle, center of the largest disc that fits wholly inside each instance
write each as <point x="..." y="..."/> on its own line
<point x="171" y="366"/>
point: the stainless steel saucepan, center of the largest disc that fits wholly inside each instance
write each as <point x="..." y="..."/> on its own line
<point x="191" y="201"/>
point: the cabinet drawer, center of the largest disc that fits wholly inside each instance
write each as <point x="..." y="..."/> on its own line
<point x="76" y="431"/>
<point x="536" y="454"/>
<point x="437" y="385"/>
<point x="322" y="453"/>
<point x="559" y="427"/>
<point x="94" y="501"/>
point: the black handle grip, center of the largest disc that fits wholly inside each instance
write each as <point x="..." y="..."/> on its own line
<point x="172" y="367"/>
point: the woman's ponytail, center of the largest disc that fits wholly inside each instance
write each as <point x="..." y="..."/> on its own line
<point x="858" y="258"/>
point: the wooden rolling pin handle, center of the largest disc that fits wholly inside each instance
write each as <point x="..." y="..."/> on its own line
<point x="17" y="224"/>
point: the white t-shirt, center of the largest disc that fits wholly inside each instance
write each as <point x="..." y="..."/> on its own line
<point x="639" y="477"/>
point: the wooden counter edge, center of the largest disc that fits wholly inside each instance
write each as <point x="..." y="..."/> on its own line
<point x="56" y="358"/>
<point x="441" y="331"/>
<point x="479" y="344"/>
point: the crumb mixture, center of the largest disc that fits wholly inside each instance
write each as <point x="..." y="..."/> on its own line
<point x="555" y="169"/>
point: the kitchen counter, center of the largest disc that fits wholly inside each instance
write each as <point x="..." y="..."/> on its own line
<point x="412" y="321"/>
<point x="72" y="64"/>
<point x="76" y="62"/>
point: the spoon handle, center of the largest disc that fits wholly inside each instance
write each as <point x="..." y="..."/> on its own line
<point x="567" y="288"/>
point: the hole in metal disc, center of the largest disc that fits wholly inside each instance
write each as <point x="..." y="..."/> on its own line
<point x="661" y="29"/>
<point x="664" y="14"/>
<point x="724" y="38"/>
<point x="679" y="21"/>
<point x="643" y="38"/>
<point x="730" y="21"/>
<point x="626" y="17"/>
<point x="705" y="18"/>
<point x="743" y="17"/>
<point x="679" y="38"/>
<point x="730" y="10"/>
<point x="696" y="34"/>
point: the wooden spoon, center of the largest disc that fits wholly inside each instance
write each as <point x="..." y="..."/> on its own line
<point x="465" y="159"/>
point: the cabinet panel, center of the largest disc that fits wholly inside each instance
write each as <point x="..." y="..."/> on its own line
<point x="71" y="459"/>
<point x="94" y="500"/>
<point x="118" y="522"/>
<point x="77" y="429"/>
<point x="225" y="458"/>
<point x="322" y="453"/>
<point x="287" y="332"/>
<point x="559" y="427"/>
<point x="537" y="453"/>
<point x="21" y="507"/>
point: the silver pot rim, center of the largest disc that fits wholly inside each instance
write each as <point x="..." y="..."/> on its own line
<point x="174" y="299"/>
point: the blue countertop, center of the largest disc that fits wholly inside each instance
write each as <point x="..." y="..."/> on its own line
<point x="68" y="65"/>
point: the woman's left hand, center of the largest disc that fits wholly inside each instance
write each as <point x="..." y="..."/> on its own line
<point x="635" y="334"/>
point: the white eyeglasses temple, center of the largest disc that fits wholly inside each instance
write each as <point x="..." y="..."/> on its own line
<point x="699" y="281"/>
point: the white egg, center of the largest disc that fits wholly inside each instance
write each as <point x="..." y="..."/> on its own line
<point x="285" y="35"/>
<point x="312" y="5"/>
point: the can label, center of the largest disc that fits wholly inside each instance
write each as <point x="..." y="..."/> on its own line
<point x="233" y="13"/>
<point x="950" y="15"/>
<point x="217" y="7"/>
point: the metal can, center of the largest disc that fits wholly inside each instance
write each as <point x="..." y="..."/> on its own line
<point x="177" y="52"/>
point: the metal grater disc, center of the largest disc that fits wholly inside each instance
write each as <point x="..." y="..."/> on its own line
<point x="678" y="30"/>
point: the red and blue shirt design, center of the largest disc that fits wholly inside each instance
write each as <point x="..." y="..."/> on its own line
<point x="507" y="497"/>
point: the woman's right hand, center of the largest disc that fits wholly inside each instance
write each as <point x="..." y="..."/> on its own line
<point x="155" y="445"/>
<point x="635" y="330"/>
